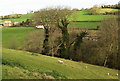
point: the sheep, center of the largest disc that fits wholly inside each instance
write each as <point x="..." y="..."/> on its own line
<point x="117" y="74"/>
<point x="108" y="73"/>
<point x="61" y="62"/>
<point x="40" y="26"/>
<point x="86" y="67"/>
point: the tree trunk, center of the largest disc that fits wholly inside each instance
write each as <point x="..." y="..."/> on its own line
<point x="46" y="42"/>
<point x="52" y="51"/>
<point x="65" y="42"/>
<point x="64" y="48"/>
<point x="106" y="58"/>
<point x="76" y="47"/>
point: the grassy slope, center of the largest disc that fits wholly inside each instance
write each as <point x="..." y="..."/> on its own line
<point x="50" y="66"/>
<point x="76" y="16"/>
<point x="17" y="35"/>
<point x="84" y="24"/>
<point x="83" y="16"/>
<point x="9" y="72"/>
<point x="22" y="18"/>
<point x="103" y="10"/>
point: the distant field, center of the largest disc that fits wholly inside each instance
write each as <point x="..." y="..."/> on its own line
<point x="103" y="10"/>
<point x="22" y="18"/>
<point x="84" y="24"/>
<point x="15" y="35"/>
<point x="83" y="16"/>
<point x="20" y="65"/>
<point x="76" y="16"/>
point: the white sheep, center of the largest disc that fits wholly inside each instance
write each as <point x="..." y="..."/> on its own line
<point x="86" y="67"/>
<point x="40" y="26"/>
<point x="61" y="62"/>
<point x="117" y="74"/>
<point x="108" y="73"/>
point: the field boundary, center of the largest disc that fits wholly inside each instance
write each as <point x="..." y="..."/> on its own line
<point x="86" y="21"/>
<point x="82" y="29"/>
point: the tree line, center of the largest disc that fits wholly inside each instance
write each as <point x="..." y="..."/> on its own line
<point x="116" y="6"/>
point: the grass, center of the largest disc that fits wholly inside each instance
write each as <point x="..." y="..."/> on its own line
<point x="76" y="16"/>
<point x="84" y="16"/>
<point x="84" y="24"/>
<point x="25" y="61"/>
<point x="15" y="35"/>
<point x="103" y="10"/>
<point x="22" y="18"/>
<point x="9" y="72"/>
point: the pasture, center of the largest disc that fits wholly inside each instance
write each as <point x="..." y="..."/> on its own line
<point x="27" y="65"/>
<point x="84" y="24"/>
<point x="20" y="64"/>
<point x="22" y="18"/>
<point x="84" y="16"/>
<point x="77" y="17"/>
<point x="103" y="10"/>
<point x="15" y="35"/>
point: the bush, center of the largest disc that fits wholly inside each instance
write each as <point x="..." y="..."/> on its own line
<point x="109" y="38"/>
<point x="95" y="10"/>
<point x="91" y="52"/>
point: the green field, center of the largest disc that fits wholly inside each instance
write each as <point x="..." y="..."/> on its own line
<point x="84" y="24"/>
<point x="21" y="64"/>
<point x="22" y="18"/>
<point x="77" y="17"/>
<point x="104" y="10"/>
<point x="84" y="16"/>
<point x="26" y="65"/>
<point x="15" y="35"/>
<point x="17" y="73"/>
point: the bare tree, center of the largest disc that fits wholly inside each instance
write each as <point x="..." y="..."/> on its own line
<point x="52" y="19"/>
<point x="109" y="37"/>
<point x="49" y="17"/>
<point x="45" y="17"/>
<point x="95" y="10"/>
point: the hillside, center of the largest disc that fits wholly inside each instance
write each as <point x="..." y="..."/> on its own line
<point x="103" y="10"/>
<point x="23" y="17"/>
<point x="21" y="64"/>
<point x="15" y="35"/>
<point x="84" y="24"/>
<point x="83" y="15"/>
